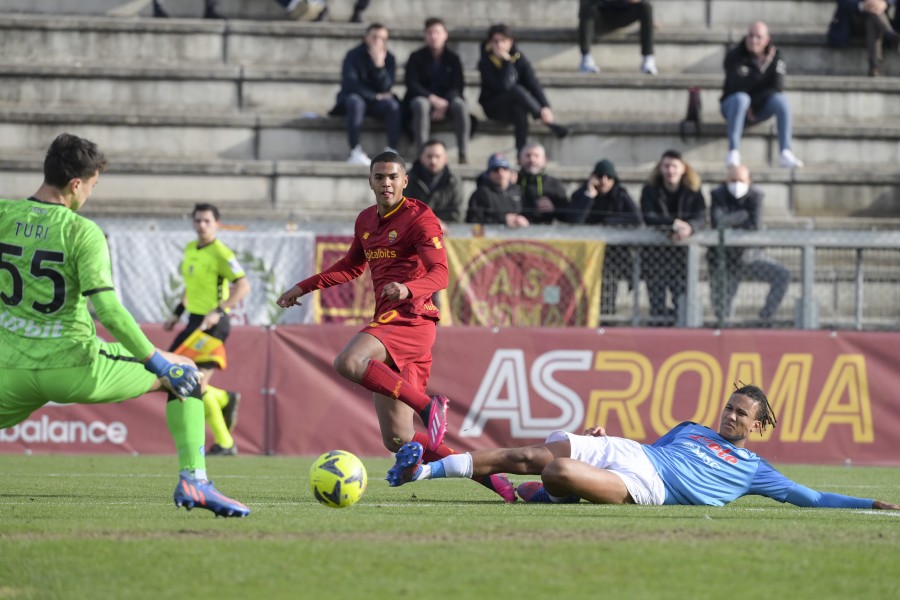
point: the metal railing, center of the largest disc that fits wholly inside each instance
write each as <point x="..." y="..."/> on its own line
<point x="833" y="279"/>
<point x="836" y="279"/>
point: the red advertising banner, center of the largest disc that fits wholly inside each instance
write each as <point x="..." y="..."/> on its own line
<point x="833" y="393"/>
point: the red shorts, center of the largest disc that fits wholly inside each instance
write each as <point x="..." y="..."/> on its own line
<point x="408" y="340"/>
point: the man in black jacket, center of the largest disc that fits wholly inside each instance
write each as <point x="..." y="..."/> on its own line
<point x="367" y="76"/>
<point x="544" y="197"/>
<point x="497" y="200"/>
<point x="434" y="88"/>
<point x="753" y="92"/>
<point x="510" y="91"/>
<point x="602" y="200"/>
<point x="737" y="204"/>
<point x="671" y="201"/>
<point x="432" y="182"/>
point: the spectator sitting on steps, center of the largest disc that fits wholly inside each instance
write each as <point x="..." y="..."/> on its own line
<point x="434" y="89"/>
<point x="870" y="16"/>
<point x="737" y="204"/>
<point x="432" y="182"/>
<point x="367" y="75"/>
<point x="510" y="90"/>
<point x="544" y="197"/>
<point x="754" y="91"/>
<point x="497" y="200"/>
<point x="608" y="15"/>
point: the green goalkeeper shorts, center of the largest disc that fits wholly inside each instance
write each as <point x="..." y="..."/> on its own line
<point x="114" y="375"/>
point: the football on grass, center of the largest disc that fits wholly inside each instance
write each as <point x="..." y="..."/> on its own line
<point x="338" y="479"/>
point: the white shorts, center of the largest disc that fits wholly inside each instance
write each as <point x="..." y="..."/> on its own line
<point x="621" y="456"/>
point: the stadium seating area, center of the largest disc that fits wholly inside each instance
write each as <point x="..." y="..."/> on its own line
<point x="234" y="111"/>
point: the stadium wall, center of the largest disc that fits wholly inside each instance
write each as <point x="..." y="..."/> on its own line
<point x="833" y="392"/>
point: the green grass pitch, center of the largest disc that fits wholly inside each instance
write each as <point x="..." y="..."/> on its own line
<point x="98" y="527"/>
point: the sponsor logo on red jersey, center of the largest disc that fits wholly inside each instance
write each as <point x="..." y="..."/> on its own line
<point x="380" y="253"/>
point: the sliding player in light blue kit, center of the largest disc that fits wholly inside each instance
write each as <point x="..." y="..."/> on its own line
<point x="691" y="464"/>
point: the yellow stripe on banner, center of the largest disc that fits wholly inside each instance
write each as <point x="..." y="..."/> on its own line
<point x="523" y="283"/>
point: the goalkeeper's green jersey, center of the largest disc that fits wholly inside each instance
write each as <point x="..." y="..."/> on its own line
<point x="51" y="261"/>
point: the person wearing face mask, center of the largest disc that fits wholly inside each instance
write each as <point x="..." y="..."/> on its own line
<point x="737" y="204"/>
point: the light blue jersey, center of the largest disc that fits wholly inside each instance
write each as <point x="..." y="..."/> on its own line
<point x="698" y="466"/>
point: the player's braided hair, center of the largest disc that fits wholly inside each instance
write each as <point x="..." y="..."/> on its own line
<point x="764" y="413"/>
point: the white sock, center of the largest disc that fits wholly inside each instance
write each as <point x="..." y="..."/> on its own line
<point x="195" y="474"/>
<point x="458" y="465"/>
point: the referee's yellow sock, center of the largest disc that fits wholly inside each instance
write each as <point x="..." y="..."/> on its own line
<point x="212" y="408"/>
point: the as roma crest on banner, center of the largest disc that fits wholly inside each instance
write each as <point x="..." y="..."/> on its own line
<point x="524" y="283"/>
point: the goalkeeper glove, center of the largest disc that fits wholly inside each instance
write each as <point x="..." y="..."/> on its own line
<point x="181" y="379"/>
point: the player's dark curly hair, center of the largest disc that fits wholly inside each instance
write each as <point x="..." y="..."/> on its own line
<point x="764" y="413"/>
<point x="71" y="157"/>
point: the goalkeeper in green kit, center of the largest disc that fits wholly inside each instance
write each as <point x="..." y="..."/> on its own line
<point x="52" y="261"/>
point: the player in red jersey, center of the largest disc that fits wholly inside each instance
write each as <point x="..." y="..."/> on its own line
<point x="400" y="240"/>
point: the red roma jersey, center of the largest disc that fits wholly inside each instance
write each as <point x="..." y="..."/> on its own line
<point x="404" y="246"/>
